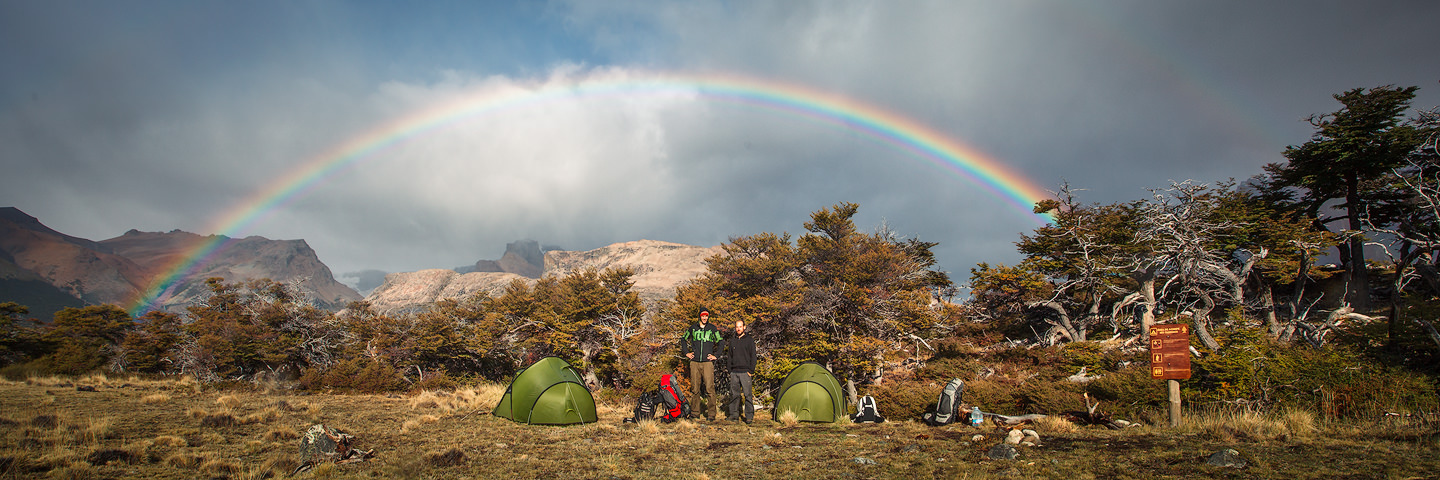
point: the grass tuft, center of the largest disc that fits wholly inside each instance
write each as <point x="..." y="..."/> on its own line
<point x="155" y="398"/>
<point x="1055" y="424"/>
<point x="789" y="418"/>
<point x="229" y="401"/>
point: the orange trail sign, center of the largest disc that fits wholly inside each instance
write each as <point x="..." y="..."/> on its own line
<point x="1170" y="352"/>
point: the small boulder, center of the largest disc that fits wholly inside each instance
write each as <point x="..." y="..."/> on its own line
<point x="977" y="438"/>
<point x="863" y="461"/>
<point x="1014" y="437"/>
<point x="1031" y="436"/>
<point x="1227" y="458"/>
<point x="1003" y="451"/>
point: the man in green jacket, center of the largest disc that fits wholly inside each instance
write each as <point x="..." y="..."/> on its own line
<point x="698" y="345"/>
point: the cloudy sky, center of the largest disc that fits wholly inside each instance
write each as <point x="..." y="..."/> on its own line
<point x="177" y="115"/>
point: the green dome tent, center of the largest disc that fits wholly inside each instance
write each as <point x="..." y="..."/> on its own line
<point x="549" y="392"/>
<point x="812" y="393"/>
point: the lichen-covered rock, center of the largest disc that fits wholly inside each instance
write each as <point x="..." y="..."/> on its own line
<point x="321" y="444"/>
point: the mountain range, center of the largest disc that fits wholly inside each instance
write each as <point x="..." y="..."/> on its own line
<point x="47" y="270"/>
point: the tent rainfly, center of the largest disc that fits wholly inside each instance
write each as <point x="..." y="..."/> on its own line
<point x="548" y="392"/>
<point x="812" y="393"/>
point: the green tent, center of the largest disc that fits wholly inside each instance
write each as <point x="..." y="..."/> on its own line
<point x="812" y="393"/>
<point x="549" y="392"/>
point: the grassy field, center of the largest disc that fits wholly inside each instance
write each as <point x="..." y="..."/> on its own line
<point x="134" y="428"/>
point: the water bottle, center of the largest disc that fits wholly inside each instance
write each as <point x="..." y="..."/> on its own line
<point x="976" y="417"/>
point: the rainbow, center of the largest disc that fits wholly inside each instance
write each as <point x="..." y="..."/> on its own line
<point x="917" y="139"/>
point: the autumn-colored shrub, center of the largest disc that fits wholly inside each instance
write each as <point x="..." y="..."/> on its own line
<point x="908" y="400"/>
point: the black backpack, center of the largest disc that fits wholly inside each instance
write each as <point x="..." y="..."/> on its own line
<point x="947" y="405"/>
<point x="865" y="411"/>
<point x="645" y="406"/>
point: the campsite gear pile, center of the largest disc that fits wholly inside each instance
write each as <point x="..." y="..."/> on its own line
<point x="666" y="400"/>
<point x="812" y="393"/>
<point x="549" y="392"/>
<point x="947" y="406"/>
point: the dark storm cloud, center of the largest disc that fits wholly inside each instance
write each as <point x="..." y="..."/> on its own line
<point x="168" y="115"/>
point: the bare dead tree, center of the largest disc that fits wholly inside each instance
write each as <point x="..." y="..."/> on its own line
<point x="1180" y="224"/>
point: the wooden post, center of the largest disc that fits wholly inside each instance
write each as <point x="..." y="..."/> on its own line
<point x="1170" y="361"/>
<point x="1174" y="402"/>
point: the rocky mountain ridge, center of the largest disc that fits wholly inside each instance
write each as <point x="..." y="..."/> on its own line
<point x="659" y="268"/>
<point x="47" y="270"/>
<point x="116" y="271"/>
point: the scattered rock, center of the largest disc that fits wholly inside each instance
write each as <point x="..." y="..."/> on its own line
<point x="1014" y="437"/>
<point x="323" y="444"/>
<point x="1003" y="451"/>
<point x="977" y="438"/>
<point x="1031" y="436"/>
<point x="1227" y="458"/>
<point x="863" y="461"/>
<point x="1027" y="444"/>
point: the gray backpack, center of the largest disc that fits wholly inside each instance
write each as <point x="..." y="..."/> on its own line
<point x="947" y="405"/>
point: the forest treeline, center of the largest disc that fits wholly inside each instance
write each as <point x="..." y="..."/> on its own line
<point x="1314" y="283"/>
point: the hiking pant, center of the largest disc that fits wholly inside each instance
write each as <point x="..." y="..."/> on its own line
<point x="740" y="392"/>
<point x="702" y="379"/>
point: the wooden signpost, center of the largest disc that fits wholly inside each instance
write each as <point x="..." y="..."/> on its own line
<point x="1170" y="361"/>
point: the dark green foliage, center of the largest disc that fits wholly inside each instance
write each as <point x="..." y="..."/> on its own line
<point x="361" y="375"/>
<point x="1336" y="381"/>
<point x="149" y="348"/>
<point x="1129" y="391"/>
<point x="1091" y="356"/>
<point x="904" y="400"/>
<point x="836" y="296"/>
<point x="85" y="338"/>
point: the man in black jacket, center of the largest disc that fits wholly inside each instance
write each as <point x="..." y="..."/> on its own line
<point x="698" y="345"/>
<point x="741" y="348"/>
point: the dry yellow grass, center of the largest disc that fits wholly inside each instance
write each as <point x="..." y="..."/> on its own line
<point x="266" y="415"/>
<point x="168" y="441"/>
<point x="1055" y="424"/>
<point x="229" y="401"/>
<point x="155" y="398"/>
<point x="788" y="417"/>
<point x="278" y="434"/>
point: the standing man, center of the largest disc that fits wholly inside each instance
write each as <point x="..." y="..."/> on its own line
<point x="698" y="345"/>
<point x="742" y="365"/>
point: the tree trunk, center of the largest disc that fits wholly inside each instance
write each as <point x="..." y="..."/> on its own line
<point x="1063" y="321"/>
<point x="1147" y="291"/>
<point x="1202" y="321"/>
<point x="1267" y="299"/>
<point x="1359" y="291"/>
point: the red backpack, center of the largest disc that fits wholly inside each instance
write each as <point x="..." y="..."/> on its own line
<point x="672" y="402"/>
